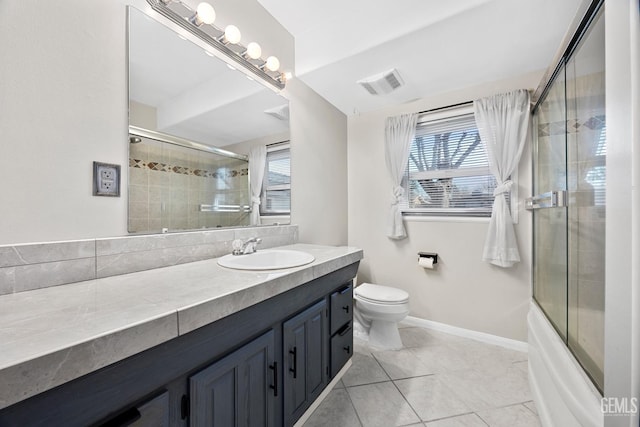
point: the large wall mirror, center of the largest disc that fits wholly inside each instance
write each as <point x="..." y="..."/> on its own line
<point x="187" y="110"/>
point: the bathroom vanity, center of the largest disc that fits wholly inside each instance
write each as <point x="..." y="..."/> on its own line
<point x="194" y="344"/>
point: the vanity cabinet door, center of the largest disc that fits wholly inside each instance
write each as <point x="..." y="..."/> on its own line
<point x="305" y="338"/>
<point x="238" y="390"/>
<point x="341" y="331"/>
<point x="341" y="348"/>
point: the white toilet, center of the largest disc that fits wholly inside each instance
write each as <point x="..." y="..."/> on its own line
<point x="378" y="309"/>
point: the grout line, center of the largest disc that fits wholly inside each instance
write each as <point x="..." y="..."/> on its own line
<point x="381" y="367"/>
<point x="408" y="403"/>
<point x="365" y="384"/>
<point x="530" y="401"/>
<point x="95" y="258"/>
<point x="481" y="419"/>
<point x="416" y="376"/>
<point x="453" y="416"/>
<point x="178" y="322"/>
<point x="353" y="406"/>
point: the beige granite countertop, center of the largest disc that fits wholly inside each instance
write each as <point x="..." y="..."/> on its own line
<point x="53" y="335"/>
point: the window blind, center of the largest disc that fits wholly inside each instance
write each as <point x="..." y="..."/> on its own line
<point x="596" y="171"/>
<point x="448" y="170"/>
<point x="276" y="194"/>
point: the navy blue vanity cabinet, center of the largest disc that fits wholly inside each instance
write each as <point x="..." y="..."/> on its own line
<point x="341" y="328"/>
<point x="261" y="366"/>
<point x="238" y="390"/>
<point x="305" y="359"/>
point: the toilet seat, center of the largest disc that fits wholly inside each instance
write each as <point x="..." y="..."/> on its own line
<point x="379" y="294"/>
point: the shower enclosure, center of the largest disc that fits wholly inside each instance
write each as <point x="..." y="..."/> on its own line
<point x="569" y="207"/>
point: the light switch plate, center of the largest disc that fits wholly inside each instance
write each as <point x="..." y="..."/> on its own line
<point x="106" y="179"/>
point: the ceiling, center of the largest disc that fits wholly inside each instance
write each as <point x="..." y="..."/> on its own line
<point x="437" y="46"/>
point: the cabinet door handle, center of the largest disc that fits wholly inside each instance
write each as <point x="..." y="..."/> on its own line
<point x="347" y="349"/>
<point x="346" y="308"/>
<point x="274" y="368"/>
<point x="184" y="407"/>
<point x="295" y="362"/>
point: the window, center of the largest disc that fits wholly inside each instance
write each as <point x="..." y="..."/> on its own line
<point x="448" y="171"/>
<point x="596" y="169"/>
<point x="276" y="187"/>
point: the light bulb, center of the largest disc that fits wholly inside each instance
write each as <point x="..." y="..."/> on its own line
<point x="232" y="34"/>
<point x="288" y="75"/>
<point x="204" y="14"/>
<point x="254" y="50"/>
<point x="272" y="63"/>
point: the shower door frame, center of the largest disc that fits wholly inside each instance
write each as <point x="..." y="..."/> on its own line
<point x="589" y="11"/>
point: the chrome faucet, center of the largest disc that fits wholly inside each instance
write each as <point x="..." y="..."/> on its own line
<point x="247" y="247"/>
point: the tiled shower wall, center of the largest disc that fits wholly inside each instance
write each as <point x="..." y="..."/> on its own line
<point x="41" y="265"/>
<point x="168" y="183"/>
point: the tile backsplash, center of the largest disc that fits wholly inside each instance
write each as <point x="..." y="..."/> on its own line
<point x="168" y="184"/>
<point x="33" y="266"/>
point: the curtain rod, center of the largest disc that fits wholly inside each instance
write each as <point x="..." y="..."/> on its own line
<point x="460" y="104"/>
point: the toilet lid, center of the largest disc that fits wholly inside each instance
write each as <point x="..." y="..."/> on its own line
<point x="379" y="293"/>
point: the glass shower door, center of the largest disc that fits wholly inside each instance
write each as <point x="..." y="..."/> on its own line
<point x="586" y="167"/>
<point x="549" y="213"/>
<point x="569" y="211"/>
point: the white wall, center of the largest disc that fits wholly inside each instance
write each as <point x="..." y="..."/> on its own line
<point x="318" y="136"/>
<point x="463" y="291"/>
<point x="143" y="116"/>
<point x="63" y="104"/>
<point x="622" y="309"/>
<point x="318" y="167"/>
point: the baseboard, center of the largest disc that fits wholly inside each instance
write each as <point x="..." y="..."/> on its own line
<point x="303" y="419"/>
<point x="468" y="333"/>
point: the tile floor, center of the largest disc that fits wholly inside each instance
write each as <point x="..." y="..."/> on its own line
<point x="437" y="380"/>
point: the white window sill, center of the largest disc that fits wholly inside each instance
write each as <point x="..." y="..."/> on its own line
<point x="429" y="218"/>
<point x="275" y="219"/>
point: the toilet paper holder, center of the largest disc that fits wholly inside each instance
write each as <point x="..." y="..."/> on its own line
<point x="432" y="255"/>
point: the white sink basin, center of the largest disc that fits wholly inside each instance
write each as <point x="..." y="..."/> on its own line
<point x="268" y="259"/>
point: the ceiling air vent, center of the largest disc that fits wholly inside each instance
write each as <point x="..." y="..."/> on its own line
<point x="280" y="112"/>
<point x="383" y="83"/>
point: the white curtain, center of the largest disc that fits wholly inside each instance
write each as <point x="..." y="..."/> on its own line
<point x="502" y="122"/>
<point x="399" y="133"/>
<point x="257" y="162"/>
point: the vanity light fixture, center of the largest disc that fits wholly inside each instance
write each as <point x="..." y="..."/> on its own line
<point x="232" y="34"/>
<point x="226" y="42"/>
<point x="205" y="14"/>
<point x="272" y="63"/>
<point x="254" y="51"/>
